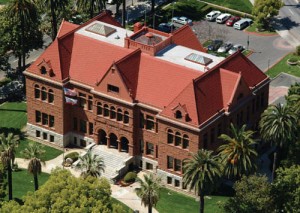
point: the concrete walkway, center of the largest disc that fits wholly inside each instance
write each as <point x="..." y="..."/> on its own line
<point x="124" y="194"/>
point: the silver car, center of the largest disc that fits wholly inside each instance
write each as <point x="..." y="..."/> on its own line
<point x="225" y="47"/>
<point x="235" y="48"/>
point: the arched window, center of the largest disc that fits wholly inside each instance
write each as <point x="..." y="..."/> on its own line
<point x="99" y="108"/>
<point x="44" y="94"/>
<point x="106" y="110"/>
<point x="43" y="70"/>
<point x="119" y="115"/>
<point x="170" y="136"/>
<point x="185" y="144"/>
<point x="177" y="139"/>
<point x="112" y="112"/>
<point x="37" y="91"/>
<point x="178" y="114"/>
<point x="50" y="96"/>
<point x="126" y="117"/>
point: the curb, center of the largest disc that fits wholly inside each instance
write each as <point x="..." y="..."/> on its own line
<point x="261" y="34"/>
<point x="276" y="62"/>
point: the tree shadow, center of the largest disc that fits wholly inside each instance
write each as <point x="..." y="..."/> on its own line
<point x="283" y="23"/>
<point x="15" y="131"/>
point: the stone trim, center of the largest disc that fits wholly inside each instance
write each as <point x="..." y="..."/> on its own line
<point x="178" y="123"/>
<point x="26" y="73"/>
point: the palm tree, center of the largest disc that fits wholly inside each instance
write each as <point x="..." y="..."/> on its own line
<point x="149" y="190"/>
<point x="25" y="13"/>
<point x="293" y="98"/>
<point x="7" y="148"/>
<point x="238" y="155"/>
<point x="55" y="6"/>
<point x="123" y="12"/>
<point x="33" y="152"/>
<point x="278" y="125"/>
<point x="92" y="4"/>
<point x="201" y="173"/>
<point x="91" y="165"/>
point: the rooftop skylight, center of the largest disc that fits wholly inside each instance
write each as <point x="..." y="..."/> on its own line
<point x="199" y="59"/>
<point x="101" y="29"/>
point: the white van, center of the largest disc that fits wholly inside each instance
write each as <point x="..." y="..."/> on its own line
<point x="241" y="24"/>
<point x="221" y="19"/>
<point x="212" y="15"/>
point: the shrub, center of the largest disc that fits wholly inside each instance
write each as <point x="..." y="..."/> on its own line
<point x="130" y="177"/>
<point x="293" y="59"/>
<point x="297" y="50"/>
<point x="4" y="81"/>
<point x="73" y="156"/>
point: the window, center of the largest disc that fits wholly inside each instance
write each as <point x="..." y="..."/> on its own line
<point x="142" y="121"/>
<point x="177" y="183"/>
<point x="169" y="180"/>
<point x="44" y="119"/>
<point x="126" y="117"/>
<point x="156" y="151"/>
<point x="44" y="94"/>
<point x="257" y="102"/>
<point x="38" y="116"/>
<point x="113" y="113"/>
<point x="149" y="122"/>
<point x="106" y="110"/>
<point x="219" y="130"/>
<point x="120" y="115"/>
<point x="170" y="137"/>
<point x="82" y="126"/>
<point x="177" y="139"/>
<point x="75" y="140"/>
<point x="45" y="135"/>
<point x="50" y="96"/>
<point x="37" y="134"/>
<point x="150" y="149"/>
<point x="43" y="70"/>
<point x="248" y="114"/>
<point x="149" y="166"/>
<point x="51" y="138"/>
<point x="82" y="100"/>
<point x="99" y="108"/>
<point x="185" y="144"/>
<point x="90" y="103"/>
<point x="178" y="114"/>
<point x="141" y="146"/>
<point x="37" y="92"/>
<point x="170" y="162"/>
<point x="253" y="105"/>
<point x="112" y="88"/>
<point x="184" y="186"/>
<point x="205" y="141"/>
<point x="262" y="100"/>
<point x="82" y="143"/>
<point x="177" y="165"/>
<point x="212" y="135"/>
<point x="75" y="124"/>
<point x="51" y="121"/>
<point x="91" y="128"/>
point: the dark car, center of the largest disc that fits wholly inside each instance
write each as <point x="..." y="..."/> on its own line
<point x="215" y="44"/>
<point x="166" y="27"/>
<point x="232" y="20"/>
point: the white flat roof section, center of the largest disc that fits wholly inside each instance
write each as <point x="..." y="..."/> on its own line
<point x="176" y="54"/>
<point x="116" y="38"/>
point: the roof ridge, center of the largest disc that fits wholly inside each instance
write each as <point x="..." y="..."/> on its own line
<point x="180" y="29"/>
<point x="235" y="88"/>
<point x="136" y="51"/>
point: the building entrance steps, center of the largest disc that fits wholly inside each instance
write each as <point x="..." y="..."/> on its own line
<point x="116" y="163"/>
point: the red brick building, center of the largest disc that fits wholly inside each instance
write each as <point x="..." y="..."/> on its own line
<point x="155" y="95"/>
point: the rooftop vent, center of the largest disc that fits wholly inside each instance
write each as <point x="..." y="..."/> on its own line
<point x="101" y="29"/>
<point x="199" y="59"/>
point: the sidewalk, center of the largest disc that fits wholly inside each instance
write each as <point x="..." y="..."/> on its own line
<point x="124" y="194"/>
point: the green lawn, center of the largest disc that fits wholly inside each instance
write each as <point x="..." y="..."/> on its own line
<point x="23" y="182"/>
<point x="115" y="201"/>
<point x="49" y="154"/>
<point x="240" y="5"/>
<point x="173" y="202"/>
<point x="253" y="27"/>
<point x="282" y="66"/>
<point x="13" y="115"/>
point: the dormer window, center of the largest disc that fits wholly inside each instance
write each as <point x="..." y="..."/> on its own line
<point x="112" y="88"/>
<point x="43" y="70"/>
<point x="178" y="114"/>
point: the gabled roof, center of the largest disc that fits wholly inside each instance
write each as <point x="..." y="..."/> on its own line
<point x="66" y="27"/>
<point x="185" y="36"/>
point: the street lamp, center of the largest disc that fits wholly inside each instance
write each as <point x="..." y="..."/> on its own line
<point x="248" y="42"/>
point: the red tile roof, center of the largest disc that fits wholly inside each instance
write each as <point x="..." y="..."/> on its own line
<point x="66" y="27"/>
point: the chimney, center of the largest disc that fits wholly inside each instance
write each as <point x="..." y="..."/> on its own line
<point x="137" y="26"/>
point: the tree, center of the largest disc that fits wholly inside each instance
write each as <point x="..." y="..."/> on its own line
<point x="149" y="190"/>
<point x="92" y="5"/>
<point x="264" y="10"/>
<point x="7" y="148"/>
<point x="23" y="14"/>
<point x="2" y="183"/>
<point x="55" y="7"/>
<point x="252" y="194"/>
<point x="201" y="173"/>
<point x="278" y="125"/>
<point x="123" y="12"/>
<point x="286" y="189"/>
<point x="65" y="193"/>
<point x="91" y="165"/>
<point x="238" y="155"/>
<point x="33" y="152"/>
<point x="293" y="98"/>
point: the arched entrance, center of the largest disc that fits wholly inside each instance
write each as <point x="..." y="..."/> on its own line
<point x="113" y="141"/>
<point x="102" y="140"/>
<point x="124" y="144"/>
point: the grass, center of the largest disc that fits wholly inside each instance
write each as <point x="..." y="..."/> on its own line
<point x="252" y="28"/>
<point x="240" y="5"/>
<point x="173" y="202"/>
<point x="127" y="209"/>
<point x="13" y="115"/>
<point x="4" y="1"/>
<point x="247" y="52"/>
<point x="282" y="66"/>
<point x="23" y="183"/>
<point x="49" y="154"/>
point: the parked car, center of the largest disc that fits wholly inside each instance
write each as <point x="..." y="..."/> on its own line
<point x="241" y="24"/>
<point x="225" y="47"/>
<point x="166" y="27"/>
<point x="232" y="20"/>
<point x="212" y="15"/>
<point x="182" y="20"/>
<point x="215" y="44"/>
<point x="249" y="20"/>
<point x="221" y="19"/>
<point x="235" y="48"/>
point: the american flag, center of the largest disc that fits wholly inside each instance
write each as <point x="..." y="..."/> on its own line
<point x="70" y="92"/>
<point x="71" y="101"/>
